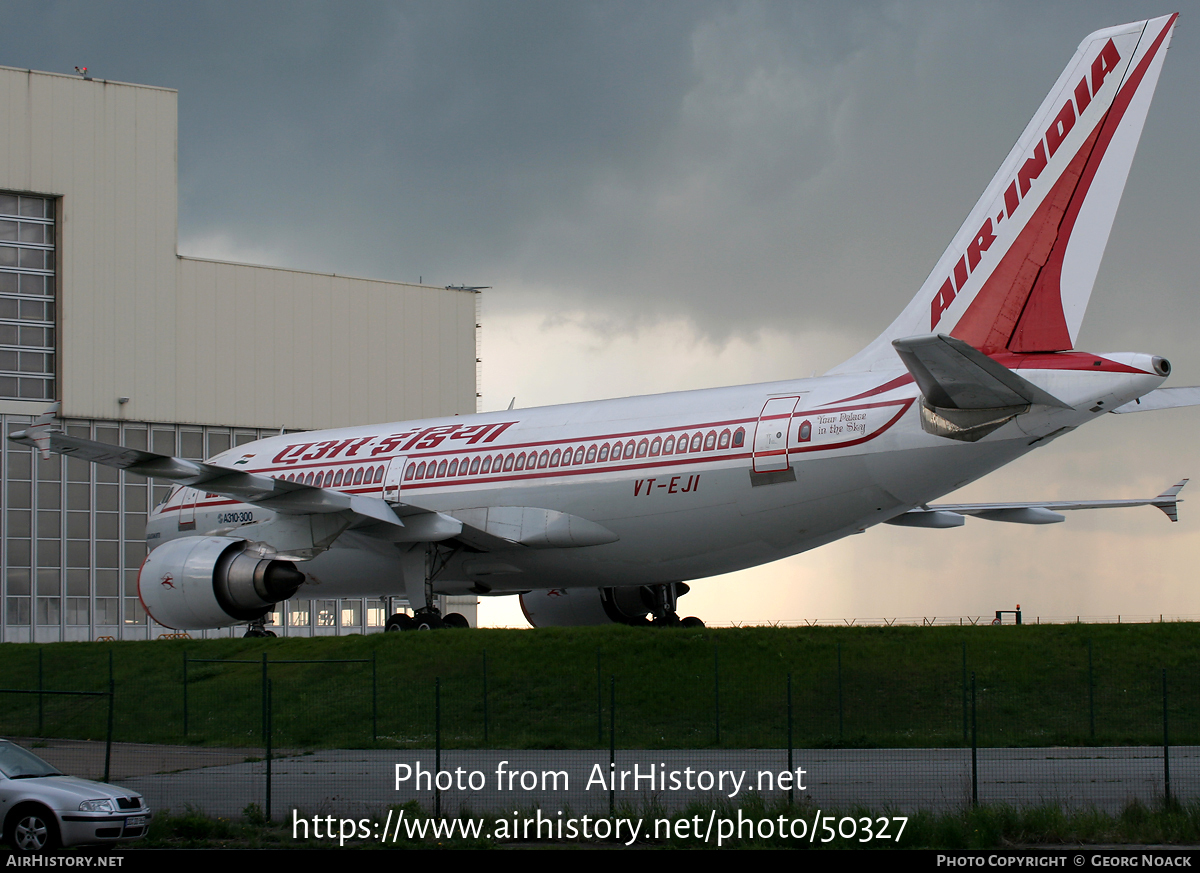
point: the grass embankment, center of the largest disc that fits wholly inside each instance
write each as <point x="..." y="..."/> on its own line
<point x="895" y="687"/>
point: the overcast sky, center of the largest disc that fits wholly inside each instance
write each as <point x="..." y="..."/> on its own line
<point x="675" y="195"/>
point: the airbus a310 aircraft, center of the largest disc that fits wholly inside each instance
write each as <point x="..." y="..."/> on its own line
<point x="600" y="512"/>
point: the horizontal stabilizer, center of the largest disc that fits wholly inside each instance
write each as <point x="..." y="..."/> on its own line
<point x="953" y="375"/>
<point x="1163" y="398"/>
<point x="1043" y="512"/>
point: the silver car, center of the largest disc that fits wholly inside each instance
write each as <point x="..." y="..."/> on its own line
<point x="44" y="809"/>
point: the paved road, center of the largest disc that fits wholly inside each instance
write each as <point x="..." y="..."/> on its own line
<point x="354" y="783"/>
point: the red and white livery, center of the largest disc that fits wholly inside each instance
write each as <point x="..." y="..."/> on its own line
<point x="602" y="511"/>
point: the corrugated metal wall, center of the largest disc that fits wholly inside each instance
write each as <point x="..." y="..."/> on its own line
<point x="202" y="342"/>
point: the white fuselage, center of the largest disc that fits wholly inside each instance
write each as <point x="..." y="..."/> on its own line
<point x="707" y="482"/>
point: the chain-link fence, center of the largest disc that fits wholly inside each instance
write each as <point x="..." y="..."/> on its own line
<point x="837" y="726"/>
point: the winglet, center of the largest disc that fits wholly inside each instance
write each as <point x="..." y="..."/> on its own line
<point x="1168" y="501"/>
<point x="39" y="432"/>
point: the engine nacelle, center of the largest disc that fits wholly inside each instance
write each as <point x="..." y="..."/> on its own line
<point x="577" y="607"/>
<point x="211" y="582"/>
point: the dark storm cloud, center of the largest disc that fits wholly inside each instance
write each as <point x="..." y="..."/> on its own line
<point x="736" y="164"/>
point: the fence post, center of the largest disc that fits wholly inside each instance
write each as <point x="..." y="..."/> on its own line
<point x="1166" y="742"/>
<point x="612" y="744"/>
<point x="599" y="703"/>
<point x="717" y="689"/>
<point x="964" y="690"/>
<point x="374" y="699"/>
<point x="1091" y="695"/>
<point x="792" y="789"/>
<point x="108" y="738"/>
<point x="40" y="695"/>
<point x="266" y="695"/>
<point x="839" y="678"/>
<point x="485" y="697"/>
<point x="437" y="744"/>
<point x="185" y="700"/>
<point x="269" y="726"/>
<point x="974" y="747"/>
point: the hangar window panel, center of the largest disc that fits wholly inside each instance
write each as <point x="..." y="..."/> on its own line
<point x="217" y="443"/>
<point x="77" y="610"/>
<point x="326" y="611"/>
<point x="18" y="552"/>
<point x="18" y="523"/>
<point x="49" y="610"/>
<point x="49" y="524"/>
<point x="18" y="611"/>
<point x="107" y="611"/>
<point x="191" y="445"/>
<point x="49" y="583"/>
<point x="134" y="614"/>
<point x="27" y="312"/>
<point x="77" y="582"/>
<point x="108" y="583"/>
<point x="18" y="582"/>
<point x="49" y="553"/>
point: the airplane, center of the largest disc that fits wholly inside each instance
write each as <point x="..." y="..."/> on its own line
<point x="603" y="511"/>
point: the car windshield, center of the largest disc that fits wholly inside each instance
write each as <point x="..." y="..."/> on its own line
<point x="16" y="763"/>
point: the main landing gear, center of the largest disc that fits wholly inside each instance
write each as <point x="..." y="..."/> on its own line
<point x="425" y="620"/>
<point x="258" y="628"/>
<point x="665" y="603"/>
<point x="421" y="564"/>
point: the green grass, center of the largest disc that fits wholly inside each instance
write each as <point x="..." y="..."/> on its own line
<point x="899" y="687"/>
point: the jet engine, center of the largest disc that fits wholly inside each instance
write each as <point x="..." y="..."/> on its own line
<point x="211" y="582"/>
<point x="575" y="607"/>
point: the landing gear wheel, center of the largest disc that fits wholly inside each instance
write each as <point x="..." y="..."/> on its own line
<point x="258" y="628"/>
<point x="455" y="619"/>
<point x="691" y="621"/>
<point x="399" y="622"/>
<point x="34" y="830"/>
<point x="428" y="621"/>
<point x="668" y="620"/>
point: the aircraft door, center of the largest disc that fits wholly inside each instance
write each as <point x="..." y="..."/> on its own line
<point x="187" y="508"/>
<point x="771" y="434"/>
<point x="393" y="479"/>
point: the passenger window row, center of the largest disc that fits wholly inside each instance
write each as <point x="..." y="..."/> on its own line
<point x="596" y="453"/>
<point x="343" y="477"/>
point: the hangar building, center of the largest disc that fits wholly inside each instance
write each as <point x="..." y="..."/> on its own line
<point x="185" y="356"/>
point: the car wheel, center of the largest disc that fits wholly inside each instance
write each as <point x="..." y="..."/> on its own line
<point x="33" y="829"/>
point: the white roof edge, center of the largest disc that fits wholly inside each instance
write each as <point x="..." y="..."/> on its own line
<point x="80" y="78"/>
<point x="317" y="273"/>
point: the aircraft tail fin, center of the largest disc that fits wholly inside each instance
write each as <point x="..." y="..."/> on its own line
<point x="1018" y="274"/>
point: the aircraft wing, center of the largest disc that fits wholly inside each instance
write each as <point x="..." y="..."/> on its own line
<point x="483" y="529"/>
<point x="289" y="498"/>
<point x="1162" y="398"/>
<point x="1040" y="512"/>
